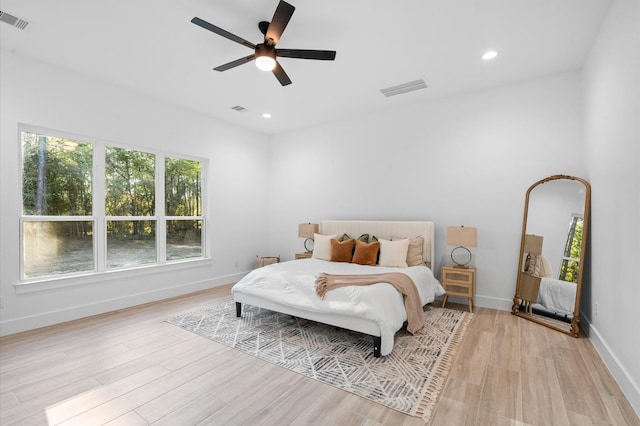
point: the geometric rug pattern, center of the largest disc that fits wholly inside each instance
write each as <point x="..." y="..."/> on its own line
<point x="409" y="379"/>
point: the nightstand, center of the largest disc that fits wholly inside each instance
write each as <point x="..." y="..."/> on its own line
<point x="460" y="282"/>
<point x="303" y="255"/>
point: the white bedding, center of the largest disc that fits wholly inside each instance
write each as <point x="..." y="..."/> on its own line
<point x="557" y="296"/>
<point x="292" y="284"/>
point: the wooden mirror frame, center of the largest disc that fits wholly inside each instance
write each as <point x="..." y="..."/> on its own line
<point x="574" y="328"/>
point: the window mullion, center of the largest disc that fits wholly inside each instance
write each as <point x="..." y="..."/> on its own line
<point x="203" y="210"/>
<point x="161" y="224"/>
<point x="100" y="223"/>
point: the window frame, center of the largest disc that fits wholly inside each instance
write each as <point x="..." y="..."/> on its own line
<point x="566" y="253"/>
<point x="99" y="218"/>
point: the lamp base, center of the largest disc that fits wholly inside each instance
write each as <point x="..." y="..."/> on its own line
<point x="467" y="257"/>
<point x="309" y="250"/>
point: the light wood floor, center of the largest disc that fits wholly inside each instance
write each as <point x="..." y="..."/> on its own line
<point x="131" y="368"/>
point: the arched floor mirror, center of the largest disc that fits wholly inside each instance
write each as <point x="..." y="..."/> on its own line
<point x="552" y="252"/>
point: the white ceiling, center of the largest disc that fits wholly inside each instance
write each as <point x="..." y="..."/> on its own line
<point x="151" y="46"/>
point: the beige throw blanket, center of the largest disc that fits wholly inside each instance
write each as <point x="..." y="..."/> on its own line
<point x="403" y="283"/>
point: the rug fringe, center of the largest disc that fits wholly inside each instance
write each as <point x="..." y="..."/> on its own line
<point x="431" y="391"/>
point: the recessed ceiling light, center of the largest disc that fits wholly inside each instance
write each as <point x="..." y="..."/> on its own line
<point x="490" y="54"/>
<point x="266" y="115"/>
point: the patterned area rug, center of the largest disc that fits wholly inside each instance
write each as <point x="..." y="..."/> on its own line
<point x="409" y="379"/>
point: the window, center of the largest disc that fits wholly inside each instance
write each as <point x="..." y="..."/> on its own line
<point x="183" y="201"/>
<point x="130" y="208"/>
<point x="573" y="247"/>
<point x="88" y="207"/>
<point x="57" y="206"/>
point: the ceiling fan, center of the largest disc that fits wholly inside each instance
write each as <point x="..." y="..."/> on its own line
<point x="265" y="53"/>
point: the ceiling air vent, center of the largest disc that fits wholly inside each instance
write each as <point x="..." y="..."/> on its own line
<point x="404" y="88"/>
<point x="13" y="20"/>
<point x="239" y="108"/>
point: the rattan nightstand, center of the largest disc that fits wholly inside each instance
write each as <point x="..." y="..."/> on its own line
<point x="459" y="282"/>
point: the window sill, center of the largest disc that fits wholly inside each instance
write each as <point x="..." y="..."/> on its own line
<point x="51" y="283"/>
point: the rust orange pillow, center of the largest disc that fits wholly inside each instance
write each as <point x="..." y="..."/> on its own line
<point x="366" y="253"/>
<point x="341" y="251"/>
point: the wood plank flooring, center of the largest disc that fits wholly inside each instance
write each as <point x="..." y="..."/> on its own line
<point x="130" y="368"/>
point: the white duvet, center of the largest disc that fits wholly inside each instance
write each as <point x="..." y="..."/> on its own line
<point x="293" y="284"/>
<point x="557" y="296"/>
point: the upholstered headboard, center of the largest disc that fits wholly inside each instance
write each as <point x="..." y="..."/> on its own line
<point x="386" y="230"/>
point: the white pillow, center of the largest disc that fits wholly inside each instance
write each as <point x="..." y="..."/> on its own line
<point x="414" y="254"/>
<point x="394" y="253"/>
<point x="322" y="246"/>
<point x="543" y="267"/>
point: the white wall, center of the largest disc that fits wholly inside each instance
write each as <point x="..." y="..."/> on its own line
<point x="612" y="134"/>
<point x="466" y="160"/>
<point x="39" y="94"/>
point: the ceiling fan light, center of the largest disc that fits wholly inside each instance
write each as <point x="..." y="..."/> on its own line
<point x="265" y="63"/>
<point x="265" y="57"/>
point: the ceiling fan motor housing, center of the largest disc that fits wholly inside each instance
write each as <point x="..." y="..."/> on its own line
<point x="264" y="50"/>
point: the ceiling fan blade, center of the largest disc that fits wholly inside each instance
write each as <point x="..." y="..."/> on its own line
<point x="282" y="76"/>
<point x="323" y="55"/>
<point x="221" y="32"/>
<point x="278" y="22"/>
<point x="235" y="63"/>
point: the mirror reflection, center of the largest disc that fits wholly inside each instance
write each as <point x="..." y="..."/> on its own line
<point x="552" y="252"/>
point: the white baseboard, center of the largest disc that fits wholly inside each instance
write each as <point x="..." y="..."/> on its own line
<point x="629" y="387"/>
<point x="44" y="319"/>
<point x="494" y="303"/>
<point x="484" y="302"/>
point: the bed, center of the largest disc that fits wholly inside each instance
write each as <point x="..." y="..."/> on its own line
<point x="557" y="296"/>
<point x="542" y="292"/>
<point x="377" y="310"/>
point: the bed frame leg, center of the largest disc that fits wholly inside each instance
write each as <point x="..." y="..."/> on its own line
<point x="238" y="309"/>
<point x="377" y="342"/>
